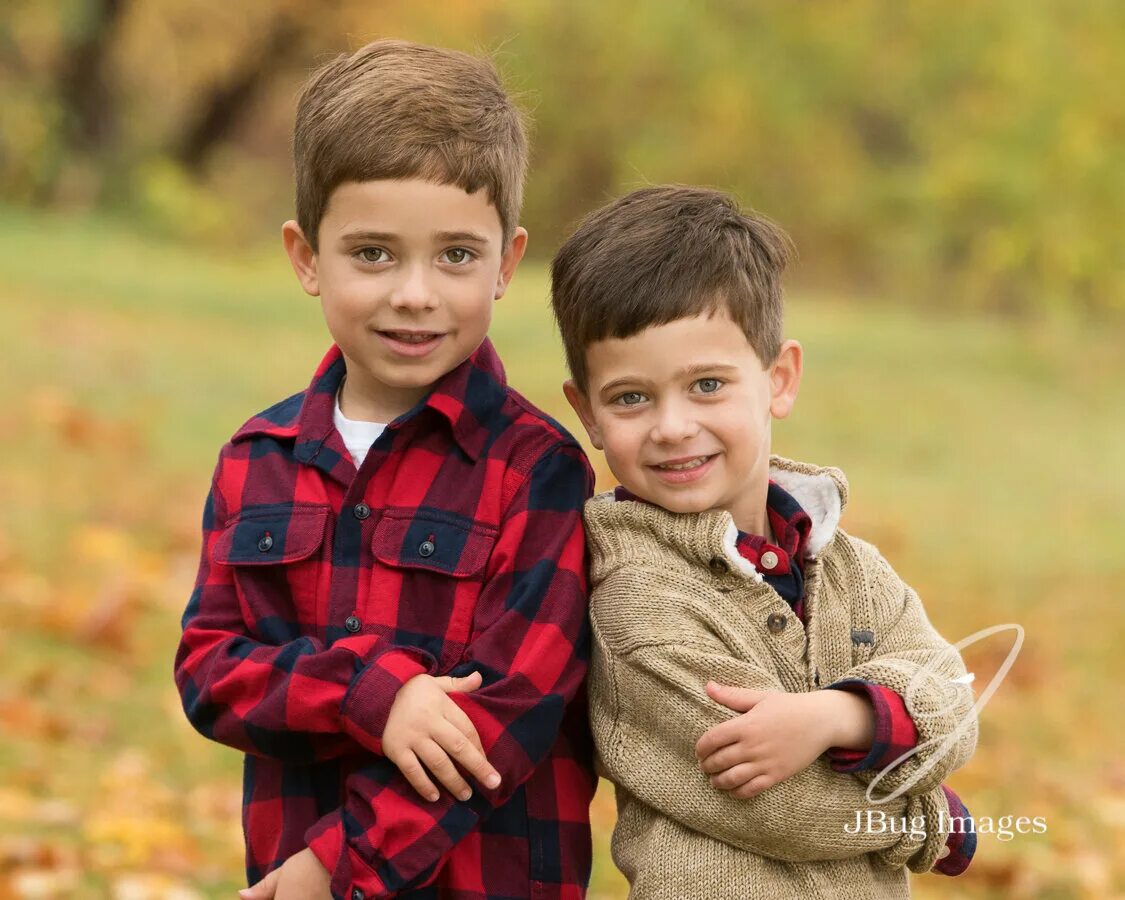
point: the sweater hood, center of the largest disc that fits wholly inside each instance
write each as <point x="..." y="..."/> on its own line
<point x="622" y="529"/>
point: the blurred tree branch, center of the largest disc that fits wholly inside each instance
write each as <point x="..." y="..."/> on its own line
<point x="227" y="101"/>
<point x="84" y="83"/>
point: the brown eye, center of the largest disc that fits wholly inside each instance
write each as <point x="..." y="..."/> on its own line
<point x="458" y="255"/>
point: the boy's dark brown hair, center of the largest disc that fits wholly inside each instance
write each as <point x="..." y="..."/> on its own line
<point x="393" y="110"/>
<point x="666" y="253"/>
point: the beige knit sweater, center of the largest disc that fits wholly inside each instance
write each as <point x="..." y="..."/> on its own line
<point x="674" y="605"/>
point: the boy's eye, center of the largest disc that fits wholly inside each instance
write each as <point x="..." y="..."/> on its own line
<point x="631" y="398"/>
<point x="372" y="254"/>
<point x="708" y="385"/>
<point x="457" y="255"/>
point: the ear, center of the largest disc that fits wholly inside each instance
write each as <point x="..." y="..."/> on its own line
<point x="301" y="256"/>
<point x="581" y="405"/>
<point x="785" y="379"/>
<point x="508" y="262"/>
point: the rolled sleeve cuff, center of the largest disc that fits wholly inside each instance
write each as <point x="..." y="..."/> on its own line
<point x="368" y="703"/>
<point x="961" y="843"/>
<point x="895" y="733"/>
<point x="352" y="877"/>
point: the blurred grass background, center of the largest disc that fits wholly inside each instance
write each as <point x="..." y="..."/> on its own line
<point x="951" y="177"/>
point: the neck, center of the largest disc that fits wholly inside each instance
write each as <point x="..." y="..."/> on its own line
<point x="369" y="402"/>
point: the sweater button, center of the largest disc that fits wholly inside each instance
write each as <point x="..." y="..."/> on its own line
<point x="718" y="565"/>
<point x="769" y="559"/>
<point x="776" y="623"/>
<point x="352" y="624"/>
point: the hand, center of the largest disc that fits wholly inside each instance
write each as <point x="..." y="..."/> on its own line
<point x="426" y="728"/>
<point x="301" y="877"/>
<point x="777" y="736"/>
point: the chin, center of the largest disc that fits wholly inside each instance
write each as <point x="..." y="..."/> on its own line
<point x="676" y="504"/>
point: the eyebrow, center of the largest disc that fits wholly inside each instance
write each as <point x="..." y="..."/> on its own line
<point x="461" y="237"/>
<point x="444" y="237"/>
<point x="686" y="372"/>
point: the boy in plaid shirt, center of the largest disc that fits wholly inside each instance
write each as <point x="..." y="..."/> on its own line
<point x="390" y="613"/>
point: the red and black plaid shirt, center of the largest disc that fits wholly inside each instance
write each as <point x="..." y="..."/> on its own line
<point x="457" y="547"/>
<point x="780" y="564"/>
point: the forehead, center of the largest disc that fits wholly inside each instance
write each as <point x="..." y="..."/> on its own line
<point x="411" y="206"/>
<point x="664" y="352"/>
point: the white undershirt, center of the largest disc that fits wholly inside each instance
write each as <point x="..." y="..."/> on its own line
<point x="358" y="436"/>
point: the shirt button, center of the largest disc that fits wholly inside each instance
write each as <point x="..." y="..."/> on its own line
<point x="361" y="511"/>
<point x="357" y="894"/>
<point x="265" y="543"/>
<point x="719" y="565"/>
<point x="426" y="548"/>
<point x="769" y="559"/>
<point x="353" y="624"/>
<point x="943" y="852"/>
<point x="776" y="623"/>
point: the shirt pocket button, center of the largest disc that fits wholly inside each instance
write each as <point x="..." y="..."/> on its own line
<point x="426" y="548"/>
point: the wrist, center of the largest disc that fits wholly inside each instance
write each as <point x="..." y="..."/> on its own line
<point x="849" y="719"/>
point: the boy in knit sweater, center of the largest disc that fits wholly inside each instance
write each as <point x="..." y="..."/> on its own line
<point x="755" y="668"/>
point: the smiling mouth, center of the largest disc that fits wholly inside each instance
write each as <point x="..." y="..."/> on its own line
<point x="683" y="465"/>
<point x="411" y="337"/>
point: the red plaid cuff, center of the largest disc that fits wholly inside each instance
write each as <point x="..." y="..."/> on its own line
<point x="961" y="844"/>
<point x="352" y="878"/>
<point x="895" y="733"/>
<point x="368" y="703"/>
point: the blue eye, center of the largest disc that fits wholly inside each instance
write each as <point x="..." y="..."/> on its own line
<point x="709" y="385"/>
<point x="631" y="398"/>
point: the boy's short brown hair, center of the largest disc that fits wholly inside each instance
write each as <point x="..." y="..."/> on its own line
<point x="665" y="253"/>
<point x="393" y="110"/>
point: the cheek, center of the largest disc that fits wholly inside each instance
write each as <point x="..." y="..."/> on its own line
<point x="622" y="444"/>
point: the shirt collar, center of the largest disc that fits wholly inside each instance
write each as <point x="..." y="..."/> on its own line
<point x="467" y="398"/>
<point x="790" y="523"/>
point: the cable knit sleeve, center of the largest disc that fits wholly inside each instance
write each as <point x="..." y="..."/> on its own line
<point x="908" y="656"/>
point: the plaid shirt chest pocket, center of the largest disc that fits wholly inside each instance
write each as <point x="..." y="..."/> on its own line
<point x="275" y="554"/>
<point x="431" y="568"/>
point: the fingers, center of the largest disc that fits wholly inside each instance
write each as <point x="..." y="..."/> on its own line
<point x="463" y="723"/>
<point x="735" y="776"/>
<point x="754" y="787"/>
<point x="264" y="889"/>
<point x="467" y="754"/>
<point x="718" y="737"/>
<point x="726" y="758"/>
<point x="413" y="772"/>
<point x="436" y="758"/>
<point x="451" y="683"/>
<point x="736" y="698"/>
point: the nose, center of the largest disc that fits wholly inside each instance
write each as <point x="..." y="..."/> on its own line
<point x="674" y="423"/>
<point x="413" y="293"/>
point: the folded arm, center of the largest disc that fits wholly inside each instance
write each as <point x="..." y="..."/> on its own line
<point x="297" y="700"/>
<point x="649" y="707"/>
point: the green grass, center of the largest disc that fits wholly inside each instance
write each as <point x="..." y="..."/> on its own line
<point x="984" y="457"/>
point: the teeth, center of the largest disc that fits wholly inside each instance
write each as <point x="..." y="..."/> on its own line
<point x="693" y="464"/>
<point x="409" y="338"/>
